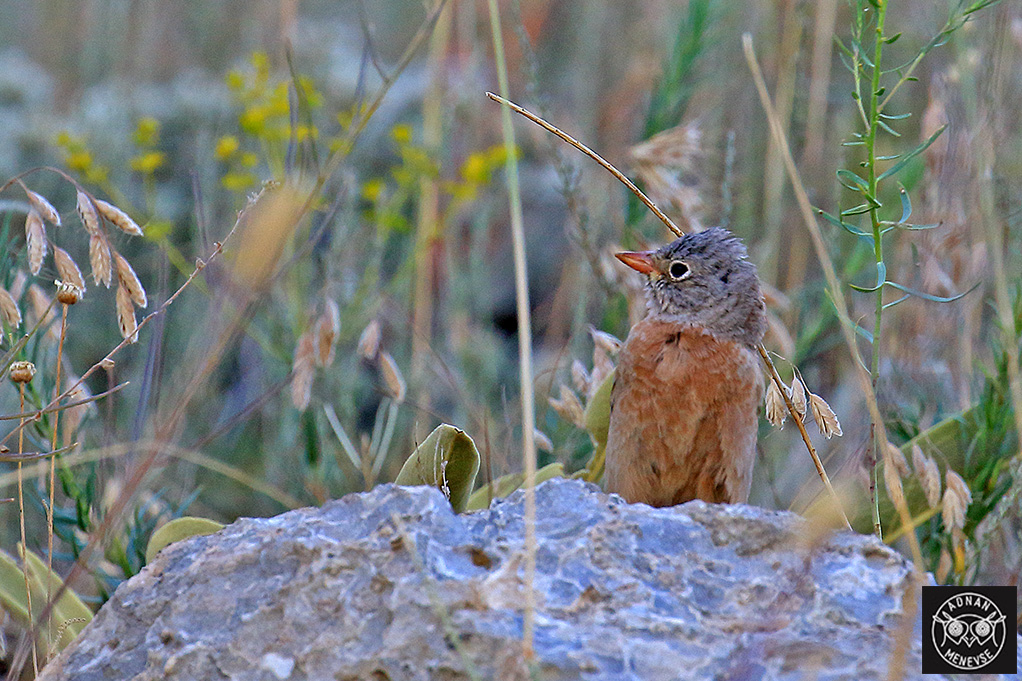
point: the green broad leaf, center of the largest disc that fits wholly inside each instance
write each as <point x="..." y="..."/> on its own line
<point x="892" y="39"/>
<point x="906" y="204"/>
<point x="178" y="529"/>
<point x="912" y="154"/>
<point x="448" y="460"/>
<point x="881" y="91"/>
<point x="852" y="181"/>
<point x="597" y="416"/>
<point x="506" y="484"/>
<point x="843" y="225"/>
<point x="927" y="296"/>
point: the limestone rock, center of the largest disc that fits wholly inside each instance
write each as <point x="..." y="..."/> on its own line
<point x="392" y="585"/>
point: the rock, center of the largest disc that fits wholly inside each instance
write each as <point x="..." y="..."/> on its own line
<point x="391" y="584"/>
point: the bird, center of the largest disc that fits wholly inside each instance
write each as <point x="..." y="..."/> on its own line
<point x="686" y="393"/>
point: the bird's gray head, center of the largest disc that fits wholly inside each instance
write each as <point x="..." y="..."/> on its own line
<point x="704" y="279"/>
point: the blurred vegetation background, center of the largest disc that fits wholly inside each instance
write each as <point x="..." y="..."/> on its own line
<point x="177" y="111"/>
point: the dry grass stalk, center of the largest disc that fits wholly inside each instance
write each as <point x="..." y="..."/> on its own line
<point x="43" y="207"/>
<point x="87" y="213"/>
<point x="9" y="309"/>
<point x="35" y="239"/>
<point x="129" y="280"/>
<point x="42" y="306"/>
<point x="328" y="326"/>
<point x="99" y="258"/>
<point x="663" y="161"/>
<point x="118" y="218"/>
<point x="776" y="412"/>
<point x="126" y="315"/>
<point x="568" y="407"/>
<point x="825" y="418"/>
<point x="369" y="341"/>
<point x="928" y="474"/>
<point x="392" y="377"/>
<point x="67" y="268"/>
<point x="303" y="371"/>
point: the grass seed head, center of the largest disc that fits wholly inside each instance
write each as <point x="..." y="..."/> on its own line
<point x="928" y="474"/>
<point x="961" y="488"/>
<point x="543" y="443"/>
<point x="568" y="407"/>
<point x="9" y="309"/>
<point x="99" y="258"/>
<point x="798" y="397"/>
<point x="87" y="213"/>
<point x="369" y="341"/>
<point x="128" y="279"/>
<point x="126" y="315"/>
<point x="824" y="416"/>
<point x="392" y="377"/>
<point x="35" y="238"/>
<point x="952" y="510"/>
<point x="328" y="326"/>
<point x="580" y="377"/>
<point x="118" y="218"/>
<point x="601" y="339"/>
<point x="776" y="411"/>
<point x="43" y="207"/>
<point x="303" y="371"/>
<point x="67" y="268"/>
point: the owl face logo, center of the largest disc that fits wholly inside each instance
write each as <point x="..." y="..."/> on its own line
<point x="968" y="630"/>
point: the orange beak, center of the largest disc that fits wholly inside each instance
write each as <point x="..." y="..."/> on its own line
<point x="640" y="261"/>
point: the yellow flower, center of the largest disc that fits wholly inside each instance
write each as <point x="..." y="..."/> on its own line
<point x="147" y="132"/>
<point x="253" y="119"/>
<point x="226" y="147"/>
<point x="149" y="162"/>
<point x="402" y="133"/>
<point x="372" y="190"/>
<point x="235" y="81"/>
<point x="249" y="159"/>
<point x="304" y="132"/>
<point x="476" y="168"/>
<point x="79" y="161"/>
<point x="238" y="182"/>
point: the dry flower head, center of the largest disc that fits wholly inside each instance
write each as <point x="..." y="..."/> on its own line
<point x="21" y="372"/>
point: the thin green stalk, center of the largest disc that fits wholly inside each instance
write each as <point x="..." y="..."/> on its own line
<point x="878" y="251"/>
<point x="524" y="335"/>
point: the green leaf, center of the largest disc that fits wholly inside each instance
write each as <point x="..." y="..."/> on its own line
<point x="597" y="416"/>
<point x="852" y="181"/>
<point x="863" y="332"/>
<point x="915" y="228"/>
<point x="895" y="117"/>
<point x="858" y="210"/>
<point x="888" y="129"/>
<point x="844" y="225"/>
<point x="887" y="306"/>
<point x="881" y="280"/>
<point x="912" y="154"/>
<point x="178" y="529"/>
<point x="906" y="203"/>
<point x="506" y="484"/>
<point x="892" y="39"/>
<point x="448" y="460"/>
<point x="927" y="296"/>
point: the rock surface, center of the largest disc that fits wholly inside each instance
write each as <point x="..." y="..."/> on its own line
<point x="391" y="584"/>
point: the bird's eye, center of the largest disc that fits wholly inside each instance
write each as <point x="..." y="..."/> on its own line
<point x="678" y="270"/>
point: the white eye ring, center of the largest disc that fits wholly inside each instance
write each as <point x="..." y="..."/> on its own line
<point x="679" y="270"/>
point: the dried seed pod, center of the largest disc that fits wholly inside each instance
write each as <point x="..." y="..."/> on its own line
<point x="67" y="268"/>
<point x="392" y="377"/>
<point x="87" y="213"/>
<point x="610" y="344"/>
<point x="798" y="397"/>
<point x="118" y="218"/>
<point x="35" y="240"/>
<point x="580" y="377"/>
<point x="369" y="341"/>
<point x="68" y="293"/>
<point x="568" y="407"/>
<point x="776" y="411"/>
<point x="43" y="207"/>
<point x="303" y="371"/>
<point x="327" y="327"/>
<point x="961" y="488"/>
<point x="543" y="442"/>
<point x="21" y="372"/>
<point x="928" y="474"/>
<point x="129" y="280"/>
<point x="126" y="314"/>
<point x="99" y="258"/>
<point x="824" y="416"/>
<point x="9" y="309"/>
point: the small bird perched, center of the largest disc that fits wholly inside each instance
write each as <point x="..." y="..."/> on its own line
<point x="683" y="409"/>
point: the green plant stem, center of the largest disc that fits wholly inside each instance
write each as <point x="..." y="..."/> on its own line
<point x="878" y="252"/>
<point x="524" y="335"/>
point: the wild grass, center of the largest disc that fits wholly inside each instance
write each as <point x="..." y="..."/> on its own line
<point x="307" y="354"/>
